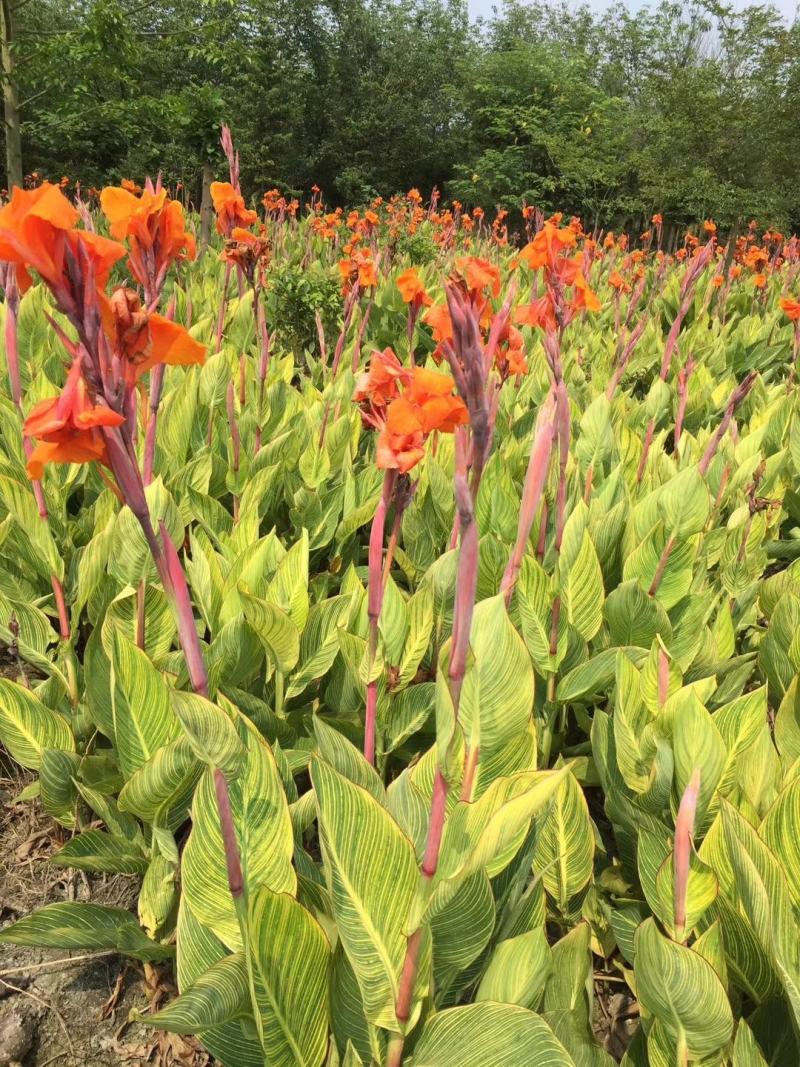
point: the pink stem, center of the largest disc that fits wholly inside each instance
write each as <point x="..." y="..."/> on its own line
<point x="374" y="604"/>
<point x="684" y="832"/>
<point x="535" y="477"/>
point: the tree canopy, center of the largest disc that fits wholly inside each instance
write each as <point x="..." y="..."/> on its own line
<point x="688" y="110"/>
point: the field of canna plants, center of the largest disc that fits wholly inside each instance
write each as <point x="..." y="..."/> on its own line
<point x="414" y="608"/>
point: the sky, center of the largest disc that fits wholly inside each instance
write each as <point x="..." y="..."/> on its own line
<point x="478" y="8"/>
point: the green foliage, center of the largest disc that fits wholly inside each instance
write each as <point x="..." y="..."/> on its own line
<point x="655" y="643"/>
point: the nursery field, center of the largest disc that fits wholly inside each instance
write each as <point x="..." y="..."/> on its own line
<point x="408" y="605"/>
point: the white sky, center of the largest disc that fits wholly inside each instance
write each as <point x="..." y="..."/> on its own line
<point x="788" y="8"/>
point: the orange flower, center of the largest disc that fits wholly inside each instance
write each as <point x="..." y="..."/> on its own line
<point x="657" y="220"/>
<point x="426" y="405"/>
<point x="791" y="309"/>
<point x="249" y="252"/>
<point x="438" y="318"/>
<point x="411" y="288"/>
<point x="154" y="227"/>
<point x="230" y="208"/>
<point x="479" y="275"/>
<point x="37" y="231"/>
<point x="142" y="340"/>
<point x="616" y="281"/>
<point x="380" y="384"/>
<point x="67" y="426"/>
<point x="710" y="226"/>
<point x="539" y="313"/>
<point x="717" y="281"/>
<point x="546" y="245"/>
<point x="759" y="281"/>
<point x="431" y="394"/>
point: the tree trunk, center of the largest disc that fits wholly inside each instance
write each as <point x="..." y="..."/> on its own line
<point x="206" y="207"/>
<point x="10" y="107"/>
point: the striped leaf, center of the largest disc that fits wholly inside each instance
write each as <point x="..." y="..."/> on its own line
<point x="57" y="772"/>
<point x="27" y="727"/>
<point x="275" y="629"/>
<point x="143" y="718"/>
<point x="264" y="834"/>
<point x="565" y="844"/>
<point x="345" y="758"/>
<point x="210" y="732"/>
<point x="582" y="590"/>
<point x="96" y="850"/>
<point x="487" y="833"/>
<point x="518" y="970"/>
<point x="200" y="952"/>
<point x="361" y="843"/>
<point x="90" y="927"/>
<point x="420" y="628"/>
<point x="497" y="696"/>
<point x="18" y="500"/>
<point x="780" y="832"/>
<point x="219" y="996"/>
<point x="476" y="1035"/>
<point x="292" y="963"/>
<point x="683" y="992"/>
<point x="161" y="790"/>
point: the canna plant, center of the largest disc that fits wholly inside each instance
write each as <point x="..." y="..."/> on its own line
<point x="429" y="707"/>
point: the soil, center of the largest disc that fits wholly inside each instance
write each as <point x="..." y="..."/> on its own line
<point x="77" y="1009"/>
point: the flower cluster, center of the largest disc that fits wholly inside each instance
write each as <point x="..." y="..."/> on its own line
<point x="405" y="406"/>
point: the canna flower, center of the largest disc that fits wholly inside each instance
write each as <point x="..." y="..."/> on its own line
<point x="438" y="318"/>
<point x="155" y="229"/>
<point x="380" y="384"/>
<point x="230" y="208"/>
<point x="249" y="252"/>
<point x="478" y="275"/>
<point x="427" y="404"/>
<point x="791" y="308"/>
<point x="430" y="393"/>
<point x="37" y="233"/>
<point x="657" y="220"/>
<point x="710" y="226"/>
<point x="411" y="288"/>
<point x="142" y="339"/>
<point x="544" y="249"/>
<point x="540" y="312"/>
<point x="759" y="281"/>
<point x="616" y="281"/>
<point x="67" y="427"/>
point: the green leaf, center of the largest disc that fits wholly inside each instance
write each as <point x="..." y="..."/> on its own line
<point x="96" y="850"/>
<point x="564" y="850"/>
<point x="143" y="718"/>
<point x="361" y="842"/>
<point x="90" y="927"/>
<point x="479" y="1035"/>
<point x="518" y="971"/>
<point x="27" y="727"/>
<point x="292" y="963"/>
<point x="264" y="834"/>
<point x="683" y="992"/>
